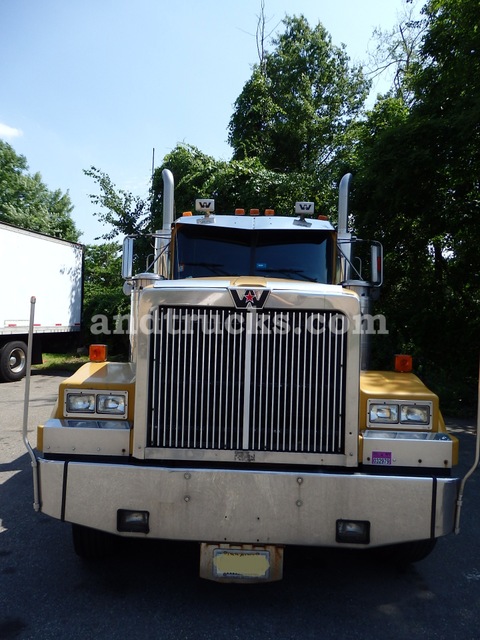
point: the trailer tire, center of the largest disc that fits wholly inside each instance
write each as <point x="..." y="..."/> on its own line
<point x="407" y="552"/>
<point x="13" y="361"/>
<point x="91" y="544"/>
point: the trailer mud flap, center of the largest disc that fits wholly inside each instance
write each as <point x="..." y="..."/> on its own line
<point x="241" y="563"/>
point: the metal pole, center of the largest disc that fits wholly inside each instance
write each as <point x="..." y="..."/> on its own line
<point x="36" y="501"/>
<point x="474" y="466"/>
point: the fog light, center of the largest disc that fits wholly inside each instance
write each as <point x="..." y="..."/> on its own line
<point x="353" y="531"/>
<point x="133" y="521"/>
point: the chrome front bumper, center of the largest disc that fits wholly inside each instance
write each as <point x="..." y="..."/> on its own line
<point x="248" y="506"/>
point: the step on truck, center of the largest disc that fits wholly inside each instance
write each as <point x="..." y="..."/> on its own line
<point x="247" y="418"/>
<point x="49" y="269"/>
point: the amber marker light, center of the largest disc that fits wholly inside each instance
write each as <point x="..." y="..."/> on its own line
<point x="403" y="363"/>
<point x="97" y="353"/>
<point x="239" y="212"/>
<point x="269" y="212"/>
<point x="186" y="214"/>
<point x="254" y="212"/>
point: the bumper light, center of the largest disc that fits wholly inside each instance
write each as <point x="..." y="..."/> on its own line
<point x="353" y="531"/>
<point x="133" y="521"/>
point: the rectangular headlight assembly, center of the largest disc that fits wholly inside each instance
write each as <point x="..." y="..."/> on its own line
<point x="79" y="403"/>
<point x="90" y="403"/>
<point x="112" y="403"/>
<point x="391" y="413"/>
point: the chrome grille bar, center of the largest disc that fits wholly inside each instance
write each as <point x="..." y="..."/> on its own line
<point x="247" y="380"/>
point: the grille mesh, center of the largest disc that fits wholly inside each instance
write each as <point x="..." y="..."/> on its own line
<point x="240" y="380"/>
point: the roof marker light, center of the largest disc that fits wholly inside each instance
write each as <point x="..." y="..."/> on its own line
<point x="186" y="213"/>
<point x="269" y="212"/>
<point x="254" y="212"/>
<point x="239" y="212"/>
<point x="320" y="217"/>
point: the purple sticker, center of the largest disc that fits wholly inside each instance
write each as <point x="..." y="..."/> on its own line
<point x="381" y="457"/>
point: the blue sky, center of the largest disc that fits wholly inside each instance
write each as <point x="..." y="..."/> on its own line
<point x="103" y="82"/>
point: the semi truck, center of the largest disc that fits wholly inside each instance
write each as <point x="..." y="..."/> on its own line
<point x="247" y="418"/>
<point x="50" y="269"/>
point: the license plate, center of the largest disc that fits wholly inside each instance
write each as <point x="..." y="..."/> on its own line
<point x="241" y="563"/>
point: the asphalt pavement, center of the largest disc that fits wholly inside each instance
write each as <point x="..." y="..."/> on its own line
<point x="152" y="590"/>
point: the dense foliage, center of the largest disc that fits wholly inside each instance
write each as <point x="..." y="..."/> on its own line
<point x="295" y="111"/>
<point x="105" y="307"/>
<point x="417" y="185"/>
<point x="25" y="201"/>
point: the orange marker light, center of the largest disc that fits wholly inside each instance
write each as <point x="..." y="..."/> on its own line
<point x="269" y="212"/>
<point x="187" y="213"/>
<point x="97" y="353"/>
<point x="254" y="212"/>
<point x="239" y="212"/>
<point x="320" y="217"/>
<point x="403" y="363"/>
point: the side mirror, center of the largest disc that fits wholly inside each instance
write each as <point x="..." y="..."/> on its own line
<point x="127" y="258"/>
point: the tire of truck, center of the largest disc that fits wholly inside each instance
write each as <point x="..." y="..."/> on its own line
<point x="91" y="544"/>
<point x="406" y="553"/>
<point x="13" y="361"/>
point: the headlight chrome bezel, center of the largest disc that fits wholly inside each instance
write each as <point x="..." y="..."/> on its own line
<point x="97" y="403"/>
<point x="393" y="414"/>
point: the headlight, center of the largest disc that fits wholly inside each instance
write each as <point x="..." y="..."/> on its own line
<point x="91" y="403"/>
<point x="383" y="413"/>
<point x="415" y="414"/>
<point x="80" y="403"/>
<point x="400" y="412"/>
<point x="111" y="403"/>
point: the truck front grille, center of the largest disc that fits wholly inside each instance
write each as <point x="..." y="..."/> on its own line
<point x="229" y="379"/>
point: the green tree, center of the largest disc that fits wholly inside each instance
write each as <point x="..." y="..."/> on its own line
<point x="26" y="202"/>
<point x="121" y="211"/>
<point x="418" y="168"/>
<point x="103" y="296"/>
<point x="235" y="184"/>
<point x="397" y="51"/>
<point x="294" y="113"/>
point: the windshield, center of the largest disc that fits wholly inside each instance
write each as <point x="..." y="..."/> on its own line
<point x="202" y="251"/>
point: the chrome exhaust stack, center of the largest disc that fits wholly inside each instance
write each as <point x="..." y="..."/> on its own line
<point x="367" y="290"/>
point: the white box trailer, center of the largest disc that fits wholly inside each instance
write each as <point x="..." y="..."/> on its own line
<point x="34" y="264"/>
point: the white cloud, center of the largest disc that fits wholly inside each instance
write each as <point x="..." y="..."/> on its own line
<point x="8" y="133"/>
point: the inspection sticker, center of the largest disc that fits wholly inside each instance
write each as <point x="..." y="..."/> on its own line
<point x="382" y="457"/>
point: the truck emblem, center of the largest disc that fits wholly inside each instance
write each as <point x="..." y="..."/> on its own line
<point x="249" y="298"/>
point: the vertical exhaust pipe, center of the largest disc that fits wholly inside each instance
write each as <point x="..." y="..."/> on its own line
<point x="343" y="193"/>
<point x="162" y="238"/>
<point x="168" y="199"/>
<point x="361" y="287"/>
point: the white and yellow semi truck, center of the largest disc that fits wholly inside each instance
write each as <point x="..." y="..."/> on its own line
<point x="246" y="418"/>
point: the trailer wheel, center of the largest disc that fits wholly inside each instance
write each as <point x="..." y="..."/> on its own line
<point x="407" y="552"/>
<point x="13" y="361"/>
<point x="91" y="544"/>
